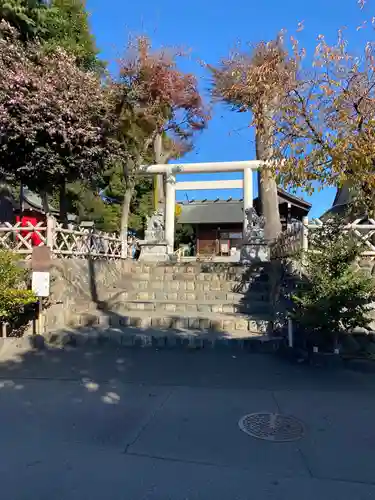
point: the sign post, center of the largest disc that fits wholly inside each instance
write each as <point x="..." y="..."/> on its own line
<point x="40" y="283"/>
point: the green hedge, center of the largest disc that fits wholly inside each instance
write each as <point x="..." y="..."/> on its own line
<point x="14" y="295"/>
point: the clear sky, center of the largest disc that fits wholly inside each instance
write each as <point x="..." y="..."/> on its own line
<point x="210" y="28"/>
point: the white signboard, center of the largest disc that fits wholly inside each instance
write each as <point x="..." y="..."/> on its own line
<point x="40" y="283"/>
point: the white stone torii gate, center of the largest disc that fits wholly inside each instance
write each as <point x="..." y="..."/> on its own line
<point x="171" y="170"/>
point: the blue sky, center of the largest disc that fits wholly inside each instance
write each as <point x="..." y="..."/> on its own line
<point x="210" y="28"/>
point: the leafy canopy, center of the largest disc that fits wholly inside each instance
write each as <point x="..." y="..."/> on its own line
<point x="55" y="118"/>
<point x="155" y="97"/>
<point x="253" y="79"/>
<point x="325" y="126"/>
<point x="27" y="16"/>
<point x="55" y="23"/>
<point x="67" y="26"/>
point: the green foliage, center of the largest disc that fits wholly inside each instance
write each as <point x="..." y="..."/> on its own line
<point x="13" y="293"/>
<point x="336" y="297"/>
<point x="67" y="26"/>
<point x="85" y="202"/>
<point x="27" y="16"/>
<point x="184" y="234"/>
<point x="114" y="186"/>
<point x="141" y="205"/>
<point x="58" y="23"/>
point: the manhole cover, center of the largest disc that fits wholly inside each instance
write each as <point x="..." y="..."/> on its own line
<point x="272" y="427"/>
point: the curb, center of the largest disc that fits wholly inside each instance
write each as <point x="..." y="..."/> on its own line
<point x="139" y="340"/>
<point x="62" y="339"/>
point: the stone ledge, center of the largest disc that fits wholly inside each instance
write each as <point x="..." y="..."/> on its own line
<point x="259" y="343"/>
<point x="142" y="319"/>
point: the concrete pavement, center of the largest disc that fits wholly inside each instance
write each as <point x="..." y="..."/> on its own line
<point x="147" y="424"/>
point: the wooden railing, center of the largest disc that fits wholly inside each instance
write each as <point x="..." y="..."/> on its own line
<point x="290" y="242"/>
<point x="72" y="242"/>
<point x="296" y="239"/>
<point x="22" y="239"/>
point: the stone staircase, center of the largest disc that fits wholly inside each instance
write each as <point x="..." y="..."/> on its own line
<point x="207" y="301"/>
<point x="162" y="303"/>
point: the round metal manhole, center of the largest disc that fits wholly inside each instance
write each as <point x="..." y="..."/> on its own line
<point x="272" y="427"/>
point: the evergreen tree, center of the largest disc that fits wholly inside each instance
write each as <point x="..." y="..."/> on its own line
<point x="55" y="23"/>
<point x="67" y="26"/>
<point x="27" y="16"/>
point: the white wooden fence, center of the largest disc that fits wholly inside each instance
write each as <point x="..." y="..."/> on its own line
<point x="75" y="242"/>
<point x="296" y="238"/>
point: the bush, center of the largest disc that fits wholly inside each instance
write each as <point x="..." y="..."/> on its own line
<point x="14" y="296"/>
<point x="335" y="297"/>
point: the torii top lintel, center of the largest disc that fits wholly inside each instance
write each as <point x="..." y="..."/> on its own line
<point x="188" y="168"/>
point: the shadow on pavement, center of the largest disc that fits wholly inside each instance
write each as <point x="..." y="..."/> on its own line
<point x="226" y="368"/>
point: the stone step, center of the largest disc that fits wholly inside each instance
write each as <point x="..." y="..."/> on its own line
<point x="139" y="283"/>
<point x="183" y="276"/>
<point x="173" y="306"/>
<point x="121" y="296"/>
<point x="237" y="326"/>
<point x="196" y="268"/>
<point x="135" y="338"/>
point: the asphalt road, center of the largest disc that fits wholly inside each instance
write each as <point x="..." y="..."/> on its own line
<point x="146" y="424"/>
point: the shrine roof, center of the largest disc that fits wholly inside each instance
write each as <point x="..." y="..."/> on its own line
<point x="229" y="211"/>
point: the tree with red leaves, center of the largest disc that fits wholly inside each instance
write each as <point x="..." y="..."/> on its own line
<point x="159" y="111"/>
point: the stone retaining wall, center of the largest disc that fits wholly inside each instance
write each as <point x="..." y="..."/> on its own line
<point x="80" y="281"/>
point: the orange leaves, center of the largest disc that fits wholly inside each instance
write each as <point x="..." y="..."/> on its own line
<point x="165" y="95"/>
<point x="251" y="80"/>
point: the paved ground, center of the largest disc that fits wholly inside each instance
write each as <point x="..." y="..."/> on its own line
<point x="146" y="424"/>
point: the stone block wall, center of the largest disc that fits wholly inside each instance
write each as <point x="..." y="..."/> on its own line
<point x="81" y="281"/>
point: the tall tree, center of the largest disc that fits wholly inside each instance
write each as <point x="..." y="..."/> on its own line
<point x="55" y="119"/>
<point x="254" y="81"/>
<point x="159" y="110"/>
<point x="58" y="24"/>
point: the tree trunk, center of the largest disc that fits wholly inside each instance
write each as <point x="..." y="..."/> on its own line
<point x="159" y="178"/>
<point x="125" y="211"/>
<point x="267" y="183"/>
<point x="50" y="221"/>
<point x="269" y="204"/>
<point x="63" y="205"/>
<point x="45" y="203"/>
